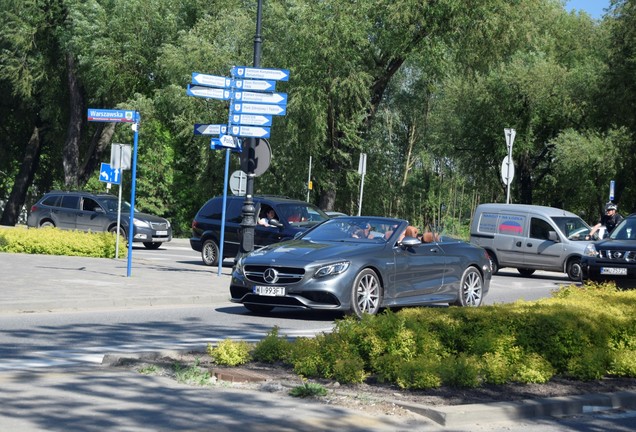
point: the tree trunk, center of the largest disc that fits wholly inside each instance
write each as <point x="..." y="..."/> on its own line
<point x="71" y="151"/>
<point x="23" y="180"/>
<point x="100" y="140"/>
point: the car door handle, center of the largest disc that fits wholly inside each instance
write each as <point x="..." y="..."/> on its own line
<point x="518" y="244"/>
<point x="529" y="245"/>
<point x="434" y="250"/>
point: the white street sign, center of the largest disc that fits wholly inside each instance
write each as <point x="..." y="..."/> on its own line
<point x="507" y="170"/>
<point x="120" y="156"/>
<point x="211" y="80"/>
<point x="250" y="131"/>
<point x="251" y="119"/>
<point x="209" y="129"/>
<point x="257" y="85"/>
<point x="208" y="92"/>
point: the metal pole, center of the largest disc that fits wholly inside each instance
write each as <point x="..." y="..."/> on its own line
<point x="222" y="242"/>
<point x="248" y="211"/>
<point x="132" y="195"/>
<point x="309" y="179"/>
<point x="121" y="184"/>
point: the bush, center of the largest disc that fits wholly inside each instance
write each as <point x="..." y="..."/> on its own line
<point x="272" y="349"/>
<point x="53" y="241"/>
<point x="230" y="353"/>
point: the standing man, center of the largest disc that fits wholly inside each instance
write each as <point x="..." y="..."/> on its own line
<point x="610" y="219"/>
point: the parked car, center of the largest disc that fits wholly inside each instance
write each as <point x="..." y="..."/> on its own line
<point x="613" y="258"/>
<point x="291" y="217"/>
<point x="334" y="214"/>
<point x="331" y="267"/>
<point x="530" y="237"/>
<point x="85" y="211"/>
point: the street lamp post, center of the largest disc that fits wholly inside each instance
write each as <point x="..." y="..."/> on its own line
<point x="248" y="221"/>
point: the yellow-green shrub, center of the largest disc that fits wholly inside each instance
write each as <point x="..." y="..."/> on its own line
<point x="272" y="349"/>
<point x="230" y="353"/>
<point x="53" y="241"/>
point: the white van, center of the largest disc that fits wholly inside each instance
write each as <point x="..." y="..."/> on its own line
<point x="530" y="237"/>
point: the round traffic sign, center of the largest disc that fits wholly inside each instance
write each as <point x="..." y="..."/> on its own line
<point x="238" y="183"/>
<point x="507" y="170"/>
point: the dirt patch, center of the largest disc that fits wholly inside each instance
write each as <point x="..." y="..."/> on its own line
<point x="370" y="396"/>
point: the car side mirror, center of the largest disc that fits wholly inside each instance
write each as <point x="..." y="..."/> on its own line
<point x="552" y="235"/>
<point x="410" y="242"/>
<point x="276" y="223"/>
<point x="99" y="210"/>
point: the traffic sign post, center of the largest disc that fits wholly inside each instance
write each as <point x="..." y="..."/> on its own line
<point x="108" y="174"/>
<point x="252" y="105"/>
<point x="507" y="167"/>
<point x="122" y="116"/>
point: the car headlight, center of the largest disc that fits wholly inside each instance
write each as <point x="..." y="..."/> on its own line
<point x="332" y="269"/>
<point x="590" y="250"/>
<point x="140" y="223"/>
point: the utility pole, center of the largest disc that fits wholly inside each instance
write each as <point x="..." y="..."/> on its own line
<point x="248" y="221"/>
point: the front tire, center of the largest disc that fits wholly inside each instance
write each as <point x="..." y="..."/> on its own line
<point x="471" y="289"/>
<point x="574" y="270"/>
<point x="152" y="245"/>
<point x="366" y="293"/>
<point x="210" y="253"/>
<point x="494" y="264"/>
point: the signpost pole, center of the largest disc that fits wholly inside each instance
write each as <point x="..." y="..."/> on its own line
<point x="222" y="241"/>
<point x="135" y="127"/>
<point x="510" y="139"/>
<point x="248" y="221"/>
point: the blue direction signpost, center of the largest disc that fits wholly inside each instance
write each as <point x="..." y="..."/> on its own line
<point x="252" y="105"/>
<point x="210" y="129"/>
<point x="123" y="116"/>
<point x="260" y="73"/>
<point x="107" y="174"/>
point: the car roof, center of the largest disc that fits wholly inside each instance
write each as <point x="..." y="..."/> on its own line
<point x="525" y="208"/>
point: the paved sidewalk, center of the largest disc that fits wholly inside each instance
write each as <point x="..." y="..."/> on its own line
<point x="38" y="283"/>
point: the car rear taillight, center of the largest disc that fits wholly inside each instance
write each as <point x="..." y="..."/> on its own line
<point x="194" y="224"/>
<point x="33" y="208"/>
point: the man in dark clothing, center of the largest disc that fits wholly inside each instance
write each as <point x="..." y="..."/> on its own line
<point x="610" y="219"/>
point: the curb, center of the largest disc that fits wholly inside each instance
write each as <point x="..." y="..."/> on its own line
<point x="459" y="415"/>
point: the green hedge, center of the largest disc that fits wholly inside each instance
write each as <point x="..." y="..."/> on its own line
<point x="53" y="241"/>
<point x="581" y="332"/>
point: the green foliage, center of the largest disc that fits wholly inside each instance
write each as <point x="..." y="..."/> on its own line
<point x="308" y="389"/>
<point x="272" y="348"/>
<point x="582" y="332"/>
<point x="193" y="374"/>
<point x="54" y="241"/>
<point x="230" y="353"/>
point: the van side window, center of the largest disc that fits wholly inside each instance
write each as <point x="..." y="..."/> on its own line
<point x="539" y="229"/>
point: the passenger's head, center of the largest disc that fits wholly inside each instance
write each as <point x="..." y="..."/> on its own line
<point x="610" y="207"/>
<point x="411" y="231"/>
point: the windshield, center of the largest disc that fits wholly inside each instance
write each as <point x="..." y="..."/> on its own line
<point x="626" y="230"/>
<point x="355" y="229"/>
<point x="573" y="227"/>
<point x="300" y="214"/>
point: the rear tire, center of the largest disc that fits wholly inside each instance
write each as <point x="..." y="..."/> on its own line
<point x="210" y="253"/>
<point x="152" y="245"/>
<point x="525" y="272"/>
<point x="47" y="224"/>
<point x="574" y="270"/>
<point x="494" y="265"/>
<point x="471" y="289"/>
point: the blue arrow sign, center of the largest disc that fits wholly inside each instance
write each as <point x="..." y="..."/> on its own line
<point x="211" y="80"/>
<point x="260" y="73"/>
<point x="256" y="108"/>
<point x="209" y="129"/>
<point x="208" y="92"/>
<point x="267" y="98"/>
<point x="109" y="175"/>
<point x="251" y="119"/>
<point x="108" y="115"/>
<point x="255" y="85"/>
<point x="249" y="131"/>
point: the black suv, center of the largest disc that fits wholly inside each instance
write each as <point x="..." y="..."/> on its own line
<point x="97" y="212"/>
<point x="613" y="258"/>
<point x="290" y="217"/>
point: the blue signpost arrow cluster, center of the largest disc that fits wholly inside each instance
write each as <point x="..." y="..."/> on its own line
<point x="109" y="175"/>
<point x="253" y="103"/>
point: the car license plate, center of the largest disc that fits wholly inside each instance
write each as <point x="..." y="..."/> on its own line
<point x="162" y="232"/>
<point x="620" y="271"/>
<point x="269" y="290"/>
